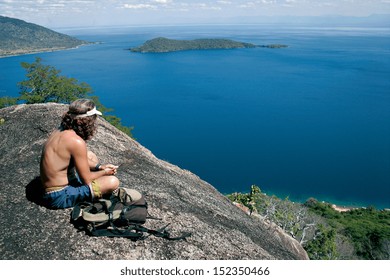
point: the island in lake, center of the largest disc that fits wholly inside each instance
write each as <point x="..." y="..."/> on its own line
<point x="163" y="45"/>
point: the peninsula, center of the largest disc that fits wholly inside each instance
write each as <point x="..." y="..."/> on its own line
<point x="163" y="45"/>
<point x="19" y="37"/>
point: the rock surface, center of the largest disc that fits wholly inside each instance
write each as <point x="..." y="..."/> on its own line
<point x="28" y="231"/>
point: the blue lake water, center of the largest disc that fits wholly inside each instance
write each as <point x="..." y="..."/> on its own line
<point x="310" y="120"/>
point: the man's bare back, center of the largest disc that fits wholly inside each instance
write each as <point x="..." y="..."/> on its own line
<point x="56" y="158"/>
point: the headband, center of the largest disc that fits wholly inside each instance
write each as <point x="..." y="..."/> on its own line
<point x="90" y="113"/>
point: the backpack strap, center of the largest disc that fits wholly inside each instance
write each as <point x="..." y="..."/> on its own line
<point x="162" y="232"/>
<point x="116" y="232"/>
<point x="136" y="232"/>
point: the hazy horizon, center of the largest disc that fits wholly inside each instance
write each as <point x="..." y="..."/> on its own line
<point x="87" y="13"/>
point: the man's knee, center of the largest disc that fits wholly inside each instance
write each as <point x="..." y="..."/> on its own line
<point x="113" y="183"/>
<point x="108" y="184"/>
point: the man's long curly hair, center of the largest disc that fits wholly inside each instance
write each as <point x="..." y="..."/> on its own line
<point x="84" y="127"/>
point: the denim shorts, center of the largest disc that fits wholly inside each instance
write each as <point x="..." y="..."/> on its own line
<point x="69" y="195"/>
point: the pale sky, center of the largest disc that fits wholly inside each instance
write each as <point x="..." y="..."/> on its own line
<point x="68" y="13"/>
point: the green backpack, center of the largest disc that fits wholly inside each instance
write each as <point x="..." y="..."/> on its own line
<point x="122" y="215"/>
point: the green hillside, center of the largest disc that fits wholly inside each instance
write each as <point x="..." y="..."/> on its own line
<point x="20" y="37"/>
<point x="325" y="231"/>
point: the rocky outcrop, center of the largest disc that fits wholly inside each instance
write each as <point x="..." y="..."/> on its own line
<point x="28" y="231"/>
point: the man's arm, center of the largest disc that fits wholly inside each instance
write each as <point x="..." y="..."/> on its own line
<point x="79" y="154"/>
<point x="95" y="165"/>
<point x="78" y="150"/>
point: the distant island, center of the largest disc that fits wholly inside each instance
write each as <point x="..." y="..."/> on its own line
<point x="273" y="46"/>
<point x="163" y="45"/>
<point x="19" y="37"/>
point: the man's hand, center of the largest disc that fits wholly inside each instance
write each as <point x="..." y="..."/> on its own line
<point x="109" y="169"/>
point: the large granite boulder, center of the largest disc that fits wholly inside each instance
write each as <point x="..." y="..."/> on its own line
<point x="219" y="229"/>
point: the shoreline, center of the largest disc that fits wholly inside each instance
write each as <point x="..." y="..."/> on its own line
<point x="340" y="209"/>
<point x="28" y="52"/>
<point x="338" y="205"/>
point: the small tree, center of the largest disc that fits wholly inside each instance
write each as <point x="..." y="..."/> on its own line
<point x="45" y="84"/>
<point x="249" y="200"/>
<point x="292" y="217"/>
<point x="323" y="245"/>
<point x="6" y="101"/>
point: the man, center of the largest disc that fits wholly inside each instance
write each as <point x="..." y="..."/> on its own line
<point x="69" y="172"/>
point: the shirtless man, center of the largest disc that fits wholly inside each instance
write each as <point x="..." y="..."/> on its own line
<point x="69" y="172"/>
